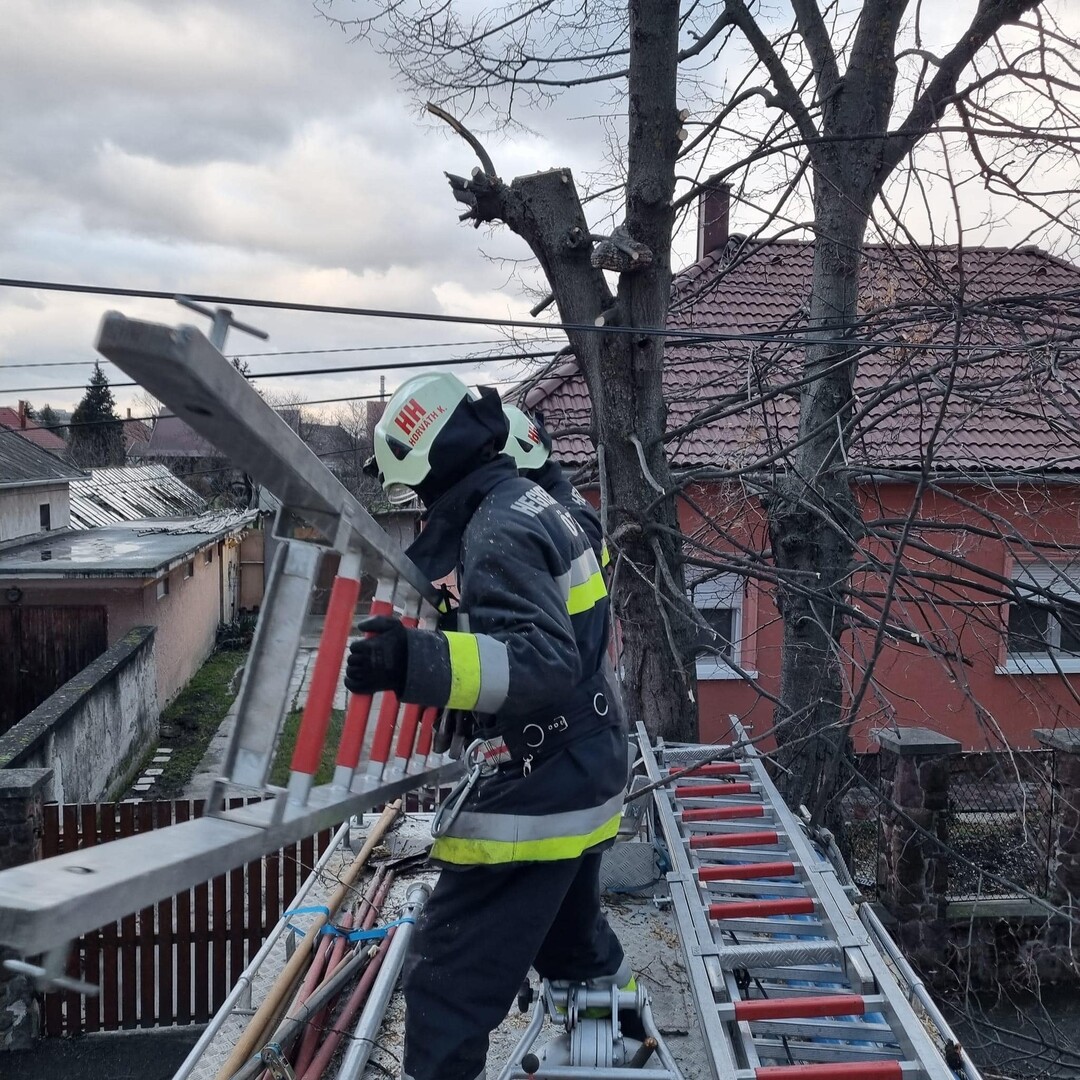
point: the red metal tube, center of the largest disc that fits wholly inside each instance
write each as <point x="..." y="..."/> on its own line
<point x="746" y="871"/>
<point x="709" y="791"/>
<point x="734" y="839"/>
<point x="757" y="909"/>
<point x="716" y="768"/>
<point x="357" y="998"/>
<point x="722" y="813"/>
<point x="794" y="1008"/>
<point x="335" y="634"/>
<point x="358" y="712"/>
<point x="427" y="732"/>
<point x="848" y="1070"/>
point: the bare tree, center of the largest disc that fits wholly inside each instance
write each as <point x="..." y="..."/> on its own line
<point x="825" y="115"/>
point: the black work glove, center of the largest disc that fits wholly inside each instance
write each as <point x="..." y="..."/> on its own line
<point x="380" y="661"/>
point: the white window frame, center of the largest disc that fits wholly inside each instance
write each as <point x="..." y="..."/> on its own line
<point x="720" y="591"/>
<point x="1059" y="579"/>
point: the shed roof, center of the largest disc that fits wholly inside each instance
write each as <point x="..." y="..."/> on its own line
<point x="131" y="493"/>
<point x="23" y="463"/>
<point x="138" y="549"/>
<point x="1004" y="401"/>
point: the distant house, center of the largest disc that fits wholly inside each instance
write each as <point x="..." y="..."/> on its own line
<point x="192" y="458"/>
<point x="19" y="420"/>
<point x="136" y="435"/>
<point x="1003" y="427"/>
<point x="34" y="488"/>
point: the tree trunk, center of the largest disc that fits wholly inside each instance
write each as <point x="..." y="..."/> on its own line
<point x="814" y="522"/>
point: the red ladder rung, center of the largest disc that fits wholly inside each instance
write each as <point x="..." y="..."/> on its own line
<point x="745" y="871"/>
<point x="709" y="791"/>
<point x="715" y="768"/>
<point x="754" y="909"/>
<point x="310" y="739"/>
<point x="847" y="1070"/>
<point x="723" y="813"/>
<point x="734" y="839"/>
<point x="796" y="1008"/>
<point x="358" y="711"/>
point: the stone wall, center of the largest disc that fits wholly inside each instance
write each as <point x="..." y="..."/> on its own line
<point x="92" y="731"/>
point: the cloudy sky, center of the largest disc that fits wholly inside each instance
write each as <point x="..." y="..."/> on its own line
<point x="242" y="149"/>
<point x="246" y="148"/>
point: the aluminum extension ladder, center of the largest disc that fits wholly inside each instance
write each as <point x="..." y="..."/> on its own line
<point x="788" y="982"/>
<point x="47" y="904"/>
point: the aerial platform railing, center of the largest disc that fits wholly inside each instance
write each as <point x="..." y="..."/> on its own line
<point x="384" y="750"/>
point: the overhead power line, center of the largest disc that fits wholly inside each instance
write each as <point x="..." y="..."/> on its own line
<point x="797" y="336"/>
<point x="300" y="373"/>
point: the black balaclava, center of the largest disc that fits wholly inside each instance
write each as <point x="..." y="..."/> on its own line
<point x="474" y="435"/>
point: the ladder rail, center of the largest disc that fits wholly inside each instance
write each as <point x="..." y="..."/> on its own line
<point x="714" y="858"/>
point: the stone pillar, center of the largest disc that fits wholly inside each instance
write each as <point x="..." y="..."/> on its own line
<point x="22" y="801"/>
<point x="1063" y="846"/>
<point x="913" y="874"/>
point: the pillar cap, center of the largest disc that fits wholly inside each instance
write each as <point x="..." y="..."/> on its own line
<point x="22" y="783"/>
<point x="917" y="742"/>
<point x="1067" y="739"/>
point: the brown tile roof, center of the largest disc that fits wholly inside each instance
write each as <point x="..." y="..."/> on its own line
<point x="39" y="436"/>
<point x="1016" y="409"/>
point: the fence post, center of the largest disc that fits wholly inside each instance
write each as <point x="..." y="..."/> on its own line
<point x="22" y="801"/>
<point x="1063" y="848"/>
<point x="914" y="874"/>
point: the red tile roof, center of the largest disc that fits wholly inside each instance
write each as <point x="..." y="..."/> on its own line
<point x="1006" y="410"/>
<point x="39" y="436"/>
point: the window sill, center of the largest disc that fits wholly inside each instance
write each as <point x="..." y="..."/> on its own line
<point x="1038" y="665"/>
<point x="713" y="672"/>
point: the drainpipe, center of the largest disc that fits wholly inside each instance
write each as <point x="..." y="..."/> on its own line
<point x="221" y="582"/>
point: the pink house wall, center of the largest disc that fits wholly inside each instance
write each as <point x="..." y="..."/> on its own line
<point x="973" y="701"/>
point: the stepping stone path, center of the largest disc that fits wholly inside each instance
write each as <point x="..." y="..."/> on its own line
<point x="142" y="787"/>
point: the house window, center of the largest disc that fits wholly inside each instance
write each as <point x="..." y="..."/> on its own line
<point x="719" y="601"/>
<point x="1043" y="630"/>
<point x="45" y="516"/>
<point x="163" y="587"/>
<point x="208" y="556"/>
<point x="189" y="569"/>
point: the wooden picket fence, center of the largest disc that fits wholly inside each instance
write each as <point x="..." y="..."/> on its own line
<point x="175" y="962"/>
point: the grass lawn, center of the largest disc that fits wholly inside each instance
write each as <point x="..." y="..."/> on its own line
<point x="279" y="774"/>
<point x="189" y="723"/>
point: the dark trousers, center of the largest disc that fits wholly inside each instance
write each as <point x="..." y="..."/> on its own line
<point x="479" y="933"/>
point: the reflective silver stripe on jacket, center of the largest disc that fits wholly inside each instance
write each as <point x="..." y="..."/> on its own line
<point x="509" y="828"/>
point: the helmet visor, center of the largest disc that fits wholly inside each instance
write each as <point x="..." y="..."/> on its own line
<point x="399" y="494"/>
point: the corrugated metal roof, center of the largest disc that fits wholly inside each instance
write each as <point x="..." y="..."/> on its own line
<point x="992" y="407"/>
<point x="22" y="462"/>
<point x="108" y="496"/>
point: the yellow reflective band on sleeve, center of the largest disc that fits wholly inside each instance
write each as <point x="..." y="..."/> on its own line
<point x="584" y="596"/>
<point x="466" y="851"/>
<point x="464" y="670"/>
<point x="605" y="556"/>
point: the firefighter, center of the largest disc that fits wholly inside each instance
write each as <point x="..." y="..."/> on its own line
<point x="521" y="838"/>
<point x="529" y="444"/>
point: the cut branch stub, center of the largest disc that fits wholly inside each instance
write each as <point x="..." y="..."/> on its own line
<point x="621" y="252"/>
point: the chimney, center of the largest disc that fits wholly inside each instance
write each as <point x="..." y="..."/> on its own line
<point x="712" y="234"/>
<point x="129" y="412"/>
<point x="23" y="405"/>
<point x="382" y="387"/>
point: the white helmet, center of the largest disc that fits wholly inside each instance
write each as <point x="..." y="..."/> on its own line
<point x="526" y="443"/>
<point x="433" y="428"/>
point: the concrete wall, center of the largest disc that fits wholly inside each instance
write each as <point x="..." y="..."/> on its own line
<point x="20" y="510"/>
<point x="93" y="729"/>
<point x="186" y="618"/>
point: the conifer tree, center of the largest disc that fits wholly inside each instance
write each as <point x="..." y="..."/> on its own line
<point x="97" y="435"/>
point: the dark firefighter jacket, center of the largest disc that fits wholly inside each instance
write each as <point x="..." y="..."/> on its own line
<point x="553" y="480"/>
<point x="529" y="646"/>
